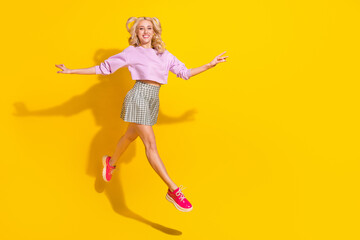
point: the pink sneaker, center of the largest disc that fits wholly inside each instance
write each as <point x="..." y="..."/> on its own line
<point x="108" y="169"/>
<point x="178" y="199"/>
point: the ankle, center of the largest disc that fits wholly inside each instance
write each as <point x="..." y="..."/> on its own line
<point x="173" y="188"/>
<point x="112" y="162"/>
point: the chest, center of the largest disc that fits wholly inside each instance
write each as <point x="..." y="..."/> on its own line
<point x="149" y="60"/>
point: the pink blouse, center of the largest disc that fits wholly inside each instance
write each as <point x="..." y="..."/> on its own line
<point x="144" y="64"/>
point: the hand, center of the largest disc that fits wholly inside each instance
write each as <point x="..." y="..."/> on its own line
<point x="63" y="68"/>
<point x="218" y="59"/>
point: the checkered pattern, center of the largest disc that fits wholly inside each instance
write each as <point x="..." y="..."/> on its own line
<point x="141" y="104"/>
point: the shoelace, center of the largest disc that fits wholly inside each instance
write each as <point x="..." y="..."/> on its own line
<point x="180" y="193"/>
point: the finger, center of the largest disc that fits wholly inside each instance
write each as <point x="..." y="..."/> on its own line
<point x="222" y="53"/>
<point x="59" y="65"/>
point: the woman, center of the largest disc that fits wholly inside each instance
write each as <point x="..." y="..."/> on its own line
<point x="149" y="64"/>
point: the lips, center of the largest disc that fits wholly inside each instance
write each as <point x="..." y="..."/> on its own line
<point x="146" y="36"/>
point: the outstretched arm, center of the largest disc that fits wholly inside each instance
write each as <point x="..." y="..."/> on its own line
<point x="212" y="64"/>
<point x="106" y="67"/>
<point x="90" y="70"/>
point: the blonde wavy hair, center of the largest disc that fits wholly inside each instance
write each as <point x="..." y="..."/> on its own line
<point x="156" y="41"/>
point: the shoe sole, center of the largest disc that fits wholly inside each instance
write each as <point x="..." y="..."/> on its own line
<point x="177" y="205"/>
<point x="104" y="168"/>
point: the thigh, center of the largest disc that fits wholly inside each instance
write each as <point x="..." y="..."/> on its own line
<point x="146" y="134"/>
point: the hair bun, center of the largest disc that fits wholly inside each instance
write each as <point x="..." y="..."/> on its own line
<point x="130" y="20"/>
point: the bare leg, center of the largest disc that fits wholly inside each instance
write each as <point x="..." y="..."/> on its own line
<point x="147" y="135"/>
<point x="129" y="136"/>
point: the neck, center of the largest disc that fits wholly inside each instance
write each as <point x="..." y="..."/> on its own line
<point x="146" y="45"/>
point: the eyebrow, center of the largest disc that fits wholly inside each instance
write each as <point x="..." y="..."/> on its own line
<point x="144" y="26"/>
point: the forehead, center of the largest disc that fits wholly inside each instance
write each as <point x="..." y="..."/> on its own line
<point x="145" y="23"/>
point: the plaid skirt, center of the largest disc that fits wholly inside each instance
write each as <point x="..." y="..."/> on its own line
<point x="141" y="104"/>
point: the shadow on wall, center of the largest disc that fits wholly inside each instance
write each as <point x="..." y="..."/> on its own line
<point x="105" y="100"/>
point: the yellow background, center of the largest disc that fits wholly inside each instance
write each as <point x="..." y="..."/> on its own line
<point x="266" y="144"/>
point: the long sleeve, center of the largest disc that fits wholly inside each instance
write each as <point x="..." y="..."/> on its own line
<point x="112" y="64"/>
<point x="179" y="68"/>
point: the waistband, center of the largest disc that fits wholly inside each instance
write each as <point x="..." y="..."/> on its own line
<point x="146" y="85"/>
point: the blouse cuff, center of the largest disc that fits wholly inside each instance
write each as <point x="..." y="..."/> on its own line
<point x="97" y="69"/>
<point x="188" y="73"/>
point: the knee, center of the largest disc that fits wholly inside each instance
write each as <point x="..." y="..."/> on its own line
<point x="130" y="137"/>
<point x="150" y="148"/>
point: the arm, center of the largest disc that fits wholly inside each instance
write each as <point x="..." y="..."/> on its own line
<point x="207" y="66"/>
<point x="90" y="70"/>
<point x="106" y="67"/>
<point x="178" y="68"/>
<point x="194" y="71"/>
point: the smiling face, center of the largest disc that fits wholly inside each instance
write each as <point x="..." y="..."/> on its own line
<point x="145" y="32"/>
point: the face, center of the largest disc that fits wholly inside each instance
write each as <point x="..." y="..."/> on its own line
<point x="145" y="32"/>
